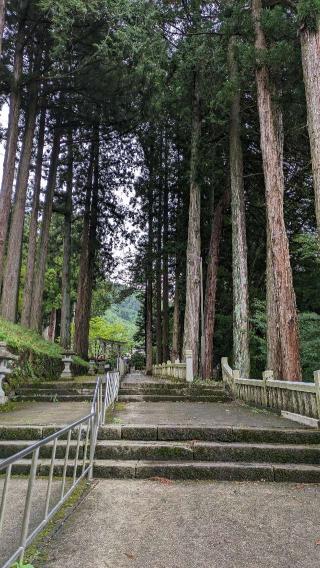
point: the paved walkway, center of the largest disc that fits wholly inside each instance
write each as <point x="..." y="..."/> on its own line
<point x="10" y="536"/>
<point x="149" y="524"/>
<point x="199" y="414"/>
<point x="44" y="413"/>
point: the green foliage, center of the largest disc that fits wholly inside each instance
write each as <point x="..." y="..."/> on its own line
<point x="38" y="358"/>
<point x="309" y="326"/>
<point x="22" y="565"/>
<point x="138" y="361"/>
<point x="308" y="13"/>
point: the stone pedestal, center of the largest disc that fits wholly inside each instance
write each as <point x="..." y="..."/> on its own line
<point x="92" y="368"/>
<point x="6" y="361"/>
<point x="66" y="373"/>
<point x="189" y="366"/>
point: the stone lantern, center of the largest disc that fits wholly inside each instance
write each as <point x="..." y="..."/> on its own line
<point x="6" y="361"/>
<point x="92" y="367"/>
<point x="66" y="360"/>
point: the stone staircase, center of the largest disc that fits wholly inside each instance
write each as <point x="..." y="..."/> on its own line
<point x="147" y="392"/>
<point x="181" y="452"/>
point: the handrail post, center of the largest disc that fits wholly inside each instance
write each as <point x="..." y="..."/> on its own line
<point x="27" y="508"/>
<point x="316" y="375"/>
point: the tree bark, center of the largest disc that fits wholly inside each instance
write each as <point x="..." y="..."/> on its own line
<point x="32" y="244"/>
<point x="2" y="21"/>
<point x="149" y="291"/>
<point x="37" y="297"/>
<point x="176" y="322"/>
<point x="11" y="144"/>
<point x="11" y="278"/>
<point x="241" y="351"/>
<point x="159" y="278"/>
<point x="310" y="48"/>
<point x="211" y="285"/>
<point x="65" y="333"/>
<point x="193" y="271"/>
<point x="271" y="134"/>
<point x="88" y="249"/>
<point x="165" y="291"/>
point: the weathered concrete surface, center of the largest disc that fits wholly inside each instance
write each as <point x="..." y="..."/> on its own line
<point x="149" y="524"/>
<point x="10" y="536"/>
<point x="209" y="414"/>
<point x="42" y="413"/>
<point x="138" y="378"/>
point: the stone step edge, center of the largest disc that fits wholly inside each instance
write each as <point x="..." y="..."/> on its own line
<point x="239" y="471"/>
<point x="183" y="433"/>
<point x="219" y="471"/>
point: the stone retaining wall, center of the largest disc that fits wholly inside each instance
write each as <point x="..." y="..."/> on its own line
<point x="297" y="397"/>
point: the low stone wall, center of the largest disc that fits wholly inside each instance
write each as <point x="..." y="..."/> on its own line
<point x="170" y="371"/>
<point x="297" y="397"/>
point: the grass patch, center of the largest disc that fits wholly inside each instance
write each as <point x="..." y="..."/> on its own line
<point x="118" y="407"/>
<point x="10" y="406"/>
<point x="38" y="359"/>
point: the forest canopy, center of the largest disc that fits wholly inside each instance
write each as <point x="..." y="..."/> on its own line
<point x="186" y="136"/>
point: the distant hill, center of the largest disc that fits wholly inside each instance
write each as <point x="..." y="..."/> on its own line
<point x="125" y="312"/>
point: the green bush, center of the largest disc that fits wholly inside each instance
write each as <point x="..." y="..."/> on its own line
<point x="138" y="361"/>
<point x="79" y="366"/>
<point x="38" y="358"/>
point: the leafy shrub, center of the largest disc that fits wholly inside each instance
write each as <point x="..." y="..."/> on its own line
<point x="38" y="358"/>
<point x="138" y="361"/>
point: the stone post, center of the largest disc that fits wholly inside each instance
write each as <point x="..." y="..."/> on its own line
<point x="266" y="375"/>
<point x="316" y="375"/>
<point x="6" y="360"/>
<point x="66" y="360"/>
<point x="189" y="366"/>
<point x="92" y="367"/>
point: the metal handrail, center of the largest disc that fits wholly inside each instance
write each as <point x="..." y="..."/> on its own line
<point x="85" y="429"/>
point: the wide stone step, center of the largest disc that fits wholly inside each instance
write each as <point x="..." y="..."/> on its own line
<point x="208" y="451"/>
<point x="135" y="450"/>
<point x="208" y="433"/>
<point x="223" y="397"/>
<point x="53" y="397"/>
<point x="180" y="391"/>
<point x="9" y="448"/>
<point x="34" y="433"/>
<point x="222" y="471"/>
<point x="53" y="392"/>
<point x="22" y="467"/>
<point x="67" y="385"/>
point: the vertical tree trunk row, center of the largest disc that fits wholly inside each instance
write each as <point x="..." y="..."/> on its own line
<point x="191" y="320"/>
<point x="272" y="155"/>
<point x="241" y="352"/>
<point x="211" y="285"/>
<point x="149" y="291"/>
<point x="11" y="278"/>
<point x="165" y="321"/>
<point x="82" y="314"/>
<point x="310" y="48"/>
<point x="32" y="242"/>
<point x="11" y="144"/>
<point x="65" y="333"/>
<point x="37" y="296"/>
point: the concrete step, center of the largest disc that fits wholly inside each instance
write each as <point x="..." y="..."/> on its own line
<point x="27" y="392"/>
<point x="207" y="470"/>
<point x="180" y="391"/>
<point x="60" y="385"/>
<point x="207" y="433"/>
<point x="33" y="433"/>
<point x="207" y="451"/>
<point x="223" y="397"/>
<point x="53" y="397"/>
<point x="22" y="467"/>
<point x="9" y="448"/>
